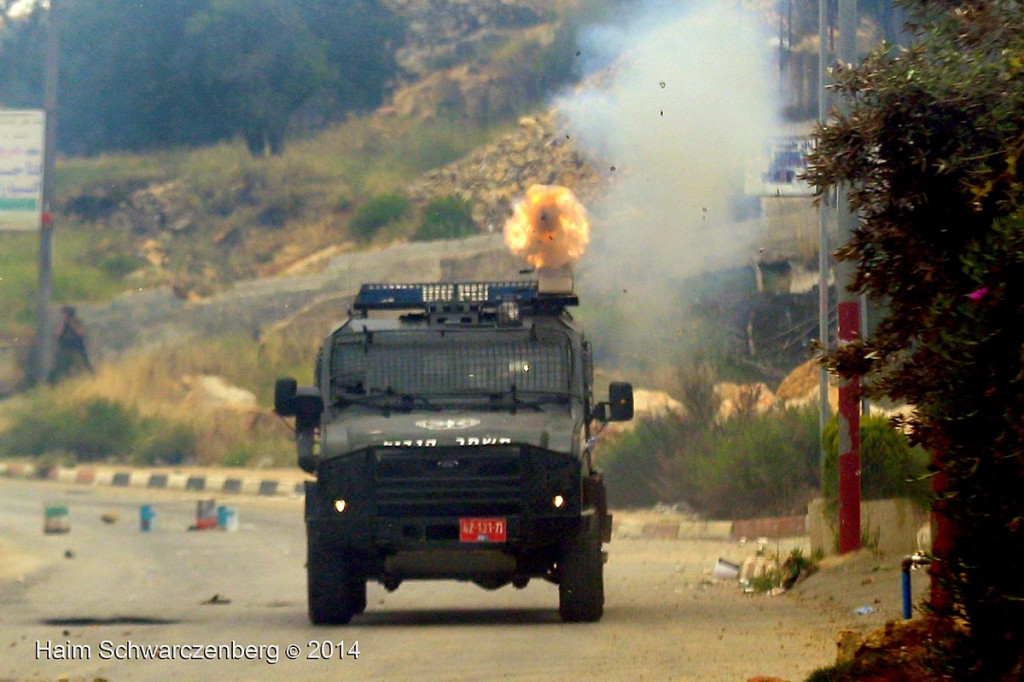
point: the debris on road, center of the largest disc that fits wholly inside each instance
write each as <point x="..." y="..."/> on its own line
<point x="206" y="515"/>
<point x="56" y="518"/>
<point x="110" y="517"/>
<point x="216" y="600"/>
<point x="725" y="570"/>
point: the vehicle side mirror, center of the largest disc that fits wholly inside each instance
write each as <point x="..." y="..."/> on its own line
<point x="308" y="407"/>
<point x="305" y="404"/>
<point x="284" y="396"/>
<point x="620" y="401"/>
<point x="619" y="407"/>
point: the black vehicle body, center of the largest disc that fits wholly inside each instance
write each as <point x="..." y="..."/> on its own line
<point x="449" y="431"/>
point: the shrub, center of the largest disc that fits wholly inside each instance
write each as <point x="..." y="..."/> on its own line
<point x="164" y="442"/>
<point x="760" y="465"/>
<point x="446" y="218"/>
<point x="90" y="431"/>
<point x="890" y="467"/>
<point x="632" y="462"/>
<point x="375" y="213"/>
<point x="120" y="264"/>
<point x="240" y="455"/>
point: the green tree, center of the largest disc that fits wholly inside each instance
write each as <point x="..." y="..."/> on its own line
<point x="22" y="41"/>
<point x="142" y="75"/>
<point x="931" y="146"/>
<point x="119" y="86"/>
<point x="258" y="61"/>
<point x="359" y="39"/>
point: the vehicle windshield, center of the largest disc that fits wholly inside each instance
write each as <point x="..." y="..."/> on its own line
<point x="451" y="364"/>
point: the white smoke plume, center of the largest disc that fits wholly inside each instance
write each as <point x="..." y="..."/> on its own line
<point x="685" y="97"/>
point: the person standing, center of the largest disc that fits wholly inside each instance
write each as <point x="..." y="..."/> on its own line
<point x="71" y="349"/>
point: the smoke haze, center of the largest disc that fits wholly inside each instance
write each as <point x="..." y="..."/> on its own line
<point x="681" y="98"/>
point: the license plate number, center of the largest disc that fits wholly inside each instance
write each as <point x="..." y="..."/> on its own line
<point x="483" y="530"/>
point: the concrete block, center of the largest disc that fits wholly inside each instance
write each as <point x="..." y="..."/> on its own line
<point x="660" y="530"/>
<point x="628" y="529"/>
<point x="215" y="483"/>
<point x="65" y="475"/>
<point x="771" y="527"/>
<point x="268" y="488"/>
<point x="250" y="486"/>
<point x="177" y="481"/>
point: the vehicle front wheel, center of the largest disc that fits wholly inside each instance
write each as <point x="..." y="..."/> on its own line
<point x="581" y="589"/>
<point x="335" y="594"/>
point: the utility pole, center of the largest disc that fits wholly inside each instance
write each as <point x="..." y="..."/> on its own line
<point x="823" y="242"/>
<point x="849" y="331"/>
<point x="44" y="296"/>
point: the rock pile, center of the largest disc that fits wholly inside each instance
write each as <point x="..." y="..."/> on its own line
<point x="156" y="208"/>
<point x="449" y="23"/>
<point x="494" y="177"/>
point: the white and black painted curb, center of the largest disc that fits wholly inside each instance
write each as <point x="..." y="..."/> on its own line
<point x="140" y="478"/>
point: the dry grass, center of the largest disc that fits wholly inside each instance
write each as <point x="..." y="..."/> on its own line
<point x="165" y="385"/>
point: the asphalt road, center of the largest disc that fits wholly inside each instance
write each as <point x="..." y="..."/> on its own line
<point x="86" y="604"/>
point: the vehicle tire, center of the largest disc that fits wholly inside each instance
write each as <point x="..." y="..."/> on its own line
<point x="332" y="596"/>
<point x="581" y="590"/>
<point x="357" y="595"/>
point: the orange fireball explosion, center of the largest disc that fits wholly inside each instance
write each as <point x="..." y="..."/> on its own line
<point x="548" y="227"/>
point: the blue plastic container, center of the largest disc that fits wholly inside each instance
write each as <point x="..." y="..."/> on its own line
<point x="146" y="518"/>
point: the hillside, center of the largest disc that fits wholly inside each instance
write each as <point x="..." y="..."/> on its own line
<point x="191" y="223"/>
<point x="185" y="235"/>
<point x="201" y="220"/>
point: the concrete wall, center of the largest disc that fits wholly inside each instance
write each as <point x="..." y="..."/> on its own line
<point x="891" y="526"/>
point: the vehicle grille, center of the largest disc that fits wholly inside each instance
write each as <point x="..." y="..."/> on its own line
<point x="431" y="482"/>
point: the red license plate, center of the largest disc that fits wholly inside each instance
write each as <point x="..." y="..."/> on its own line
<point x="483" y="530"/>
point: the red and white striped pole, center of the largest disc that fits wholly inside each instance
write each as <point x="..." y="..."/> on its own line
<point x="849" y="331"/>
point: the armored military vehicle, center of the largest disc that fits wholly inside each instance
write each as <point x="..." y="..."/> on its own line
<point x="449" y="431"/>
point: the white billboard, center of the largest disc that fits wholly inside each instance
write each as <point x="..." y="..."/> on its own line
<point x="22" y="133"/>
<point x="776" y="173"/>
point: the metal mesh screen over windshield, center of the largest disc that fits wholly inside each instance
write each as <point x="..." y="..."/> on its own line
<point x="425" y="362"/>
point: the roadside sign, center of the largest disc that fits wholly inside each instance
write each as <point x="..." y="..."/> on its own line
<point x="22" y="134"/>
<point x="776" y="172"/>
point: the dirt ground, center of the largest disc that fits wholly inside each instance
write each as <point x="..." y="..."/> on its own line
<point x="847" y="598"/>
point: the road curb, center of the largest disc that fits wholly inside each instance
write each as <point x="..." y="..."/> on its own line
<point x="157" y="480"/>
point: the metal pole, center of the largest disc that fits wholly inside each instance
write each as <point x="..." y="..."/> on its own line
<point x="44" y="296"/>
<point x="823" y="245"/>
<point x="849" y="331"/>
<point x="865" y="330"/>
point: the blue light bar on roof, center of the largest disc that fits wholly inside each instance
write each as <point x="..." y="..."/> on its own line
<point x="413" y="296"/>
